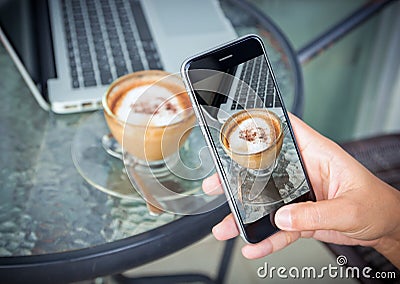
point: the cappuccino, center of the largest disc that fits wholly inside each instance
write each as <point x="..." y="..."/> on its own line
<point x="151" y="105"/>
<point x="149" y="113"/>
<point x="253" y="138"/>
<point x="252" y="135"/>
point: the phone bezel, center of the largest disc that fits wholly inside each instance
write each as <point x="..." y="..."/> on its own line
<point x="240" y="50"/>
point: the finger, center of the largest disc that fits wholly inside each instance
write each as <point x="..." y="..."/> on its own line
<point x="226" y="229"/>
<point x="212" y="185"/>
<point x="272" y="244"/>
<point x="305" y="135"/>
<point x="321" y="215"/>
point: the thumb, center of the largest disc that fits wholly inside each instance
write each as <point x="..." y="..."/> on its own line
<point x="309" y="216"/>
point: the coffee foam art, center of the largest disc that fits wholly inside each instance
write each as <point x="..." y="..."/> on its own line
<point x="150" y="105"/>
<point x="170" y="111"/>
<point x="252" y="135"/>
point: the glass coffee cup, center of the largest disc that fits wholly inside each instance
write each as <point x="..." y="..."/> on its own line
<point x="253" y="138"/>
<point x="150" y="115"/>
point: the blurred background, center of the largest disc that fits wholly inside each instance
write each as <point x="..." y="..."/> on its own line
<point x="352" y="89"/>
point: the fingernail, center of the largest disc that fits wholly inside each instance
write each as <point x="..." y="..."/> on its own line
<point x="283" y="219"/>
<point x="217" y="229"/>
<point x="257" y="251"/>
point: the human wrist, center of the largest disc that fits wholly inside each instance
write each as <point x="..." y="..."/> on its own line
<point x="390" y="248"/>
<point x="389" y="244"/>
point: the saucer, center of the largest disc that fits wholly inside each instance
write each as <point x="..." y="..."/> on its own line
<point x="109" y="174"/>
<point x="96" y="166"/>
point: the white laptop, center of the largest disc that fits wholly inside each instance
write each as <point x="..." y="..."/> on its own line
<point x="69" y="51"/>
<point x="247" y="85"/>
<point x="252" y="87"/>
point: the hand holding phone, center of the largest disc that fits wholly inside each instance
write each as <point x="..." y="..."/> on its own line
<point x="245" y="124"/>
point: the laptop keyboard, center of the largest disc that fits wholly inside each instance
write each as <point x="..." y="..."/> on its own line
<point x="107" y="39"/>
<point x="255" y="76"/>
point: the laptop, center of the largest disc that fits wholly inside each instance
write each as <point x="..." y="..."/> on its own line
<point x="248" y="85"/>
<point x="69" y="51"/>
<point x="253" y="87"/>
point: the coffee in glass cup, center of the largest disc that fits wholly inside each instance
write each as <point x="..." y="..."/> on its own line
<point x="149" y="113"/>
<point x="253" y="138"/>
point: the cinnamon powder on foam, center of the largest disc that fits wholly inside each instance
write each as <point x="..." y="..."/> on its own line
<point x="252" y="135"/>
<point x="150" y="103"/>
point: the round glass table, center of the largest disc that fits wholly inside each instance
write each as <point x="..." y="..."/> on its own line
<point x="54" y="225"/>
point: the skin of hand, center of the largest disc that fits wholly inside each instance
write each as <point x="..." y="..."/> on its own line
<point x="353" y="206"/>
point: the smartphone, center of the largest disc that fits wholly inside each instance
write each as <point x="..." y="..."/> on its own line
<point x="244" y="121"/>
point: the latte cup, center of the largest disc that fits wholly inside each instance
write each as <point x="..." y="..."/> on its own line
<point x="253" y="138"/>
<point x="149" y="113"/>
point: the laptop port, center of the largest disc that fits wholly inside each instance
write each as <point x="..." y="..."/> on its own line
<point x="87" y="105"/>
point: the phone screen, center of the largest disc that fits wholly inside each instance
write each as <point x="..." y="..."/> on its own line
<point x="248" y="128"/>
